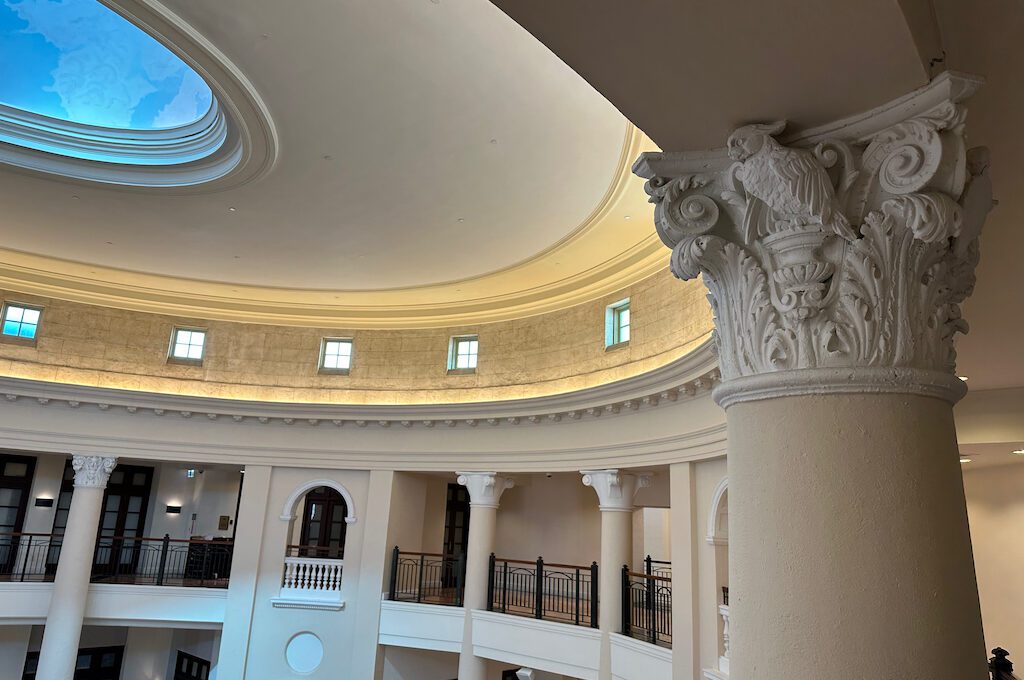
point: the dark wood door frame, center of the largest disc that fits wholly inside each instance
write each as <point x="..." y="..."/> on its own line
<point x="317" y="531"/>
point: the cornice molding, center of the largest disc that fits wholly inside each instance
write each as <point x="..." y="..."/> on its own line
<point x="683" y="379"/>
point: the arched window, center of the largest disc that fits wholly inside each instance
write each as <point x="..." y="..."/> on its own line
<point x="323" y="524"/>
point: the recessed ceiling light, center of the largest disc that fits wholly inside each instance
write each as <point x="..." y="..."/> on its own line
<point x="964" y="459"/>
<point x="462" y="219"/>
<point x="628" y="217"/>
<point x="75" y="197"/>
<point x="494" y="141"/>
<point x="1018" y="452"/>
<point x="232" y="209"/>
<point x="963" y="377"/>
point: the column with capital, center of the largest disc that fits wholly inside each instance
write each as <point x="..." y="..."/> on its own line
<point x="836" y="260"/>
<point x="63" y="628"/>
<point x="485" y="489"/>
<point x="615" y="491"/>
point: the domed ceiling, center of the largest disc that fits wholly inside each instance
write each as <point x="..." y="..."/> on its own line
<point x="435" y="163"/>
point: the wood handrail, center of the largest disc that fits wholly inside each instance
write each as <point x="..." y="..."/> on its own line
<point x="427" y="554"/>
<point x="555" y="565"/>
<point x="126" y="538"/>
<point x="653" y="577"/>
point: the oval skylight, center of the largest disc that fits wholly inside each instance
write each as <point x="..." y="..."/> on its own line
<point x="86" y="93"/>
<point x="78" y="61"/>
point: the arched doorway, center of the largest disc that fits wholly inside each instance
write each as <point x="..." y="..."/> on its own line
<point x="323" y="524"/>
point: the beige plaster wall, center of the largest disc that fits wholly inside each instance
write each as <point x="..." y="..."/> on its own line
<point x="995" y="508"/>
<point x="546" y="354"/>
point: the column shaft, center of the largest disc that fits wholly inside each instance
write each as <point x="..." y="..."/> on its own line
<point x="63" y="629"/>
<point x="482" y="524"/>
<point x="849" y="544"/>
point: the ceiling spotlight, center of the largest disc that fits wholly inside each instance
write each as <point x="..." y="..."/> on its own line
<point x="231" y="209"/>
<point x="1018" y="452"/>
<point x="462" y="219"/>
<point x="964" y="459"/>
<point x="628" y="217"/>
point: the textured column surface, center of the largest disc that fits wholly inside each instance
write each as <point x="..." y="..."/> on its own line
<point x="63" y="628"/>
<point x="485" y="489"/>
<point x="615" y="490"/>
<point x="836" y="261"/>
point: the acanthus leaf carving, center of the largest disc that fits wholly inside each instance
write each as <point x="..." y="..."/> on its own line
<point x="843" y="251"/>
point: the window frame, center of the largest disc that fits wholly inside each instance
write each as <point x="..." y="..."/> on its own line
<point x="20" y="339"/>
<point x="453" y="354"/>
<point x="172" y="359"/>
<point x="325" y="370"/>
<point x="613" y="324"/>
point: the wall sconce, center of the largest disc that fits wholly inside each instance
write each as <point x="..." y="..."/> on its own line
<point x="44" y="502"/>
<point x="190" y="473"/>
<point x="173" y="509"/>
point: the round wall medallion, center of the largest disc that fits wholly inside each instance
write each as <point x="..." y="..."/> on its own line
<point x="304" y="653"/>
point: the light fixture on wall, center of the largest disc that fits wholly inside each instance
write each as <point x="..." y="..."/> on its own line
<point x="190" y="473"/>
<point x="964" y="459"/>
<point x="1018" y="452"/>
<point x="44" y="502"/>
<point x="173" y="509"/>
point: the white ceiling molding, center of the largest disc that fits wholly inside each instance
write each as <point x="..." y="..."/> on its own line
<point x="685" y="378"/>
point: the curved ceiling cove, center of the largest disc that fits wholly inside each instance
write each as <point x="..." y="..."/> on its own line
<point x="77" y="61"/>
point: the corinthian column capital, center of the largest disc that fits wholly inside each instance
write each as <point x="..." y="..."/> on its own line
<point x="92" y="471"/>
<point x="485" y="488"/>
<point x="835" y="260"/>
<point x="615" y="489"/>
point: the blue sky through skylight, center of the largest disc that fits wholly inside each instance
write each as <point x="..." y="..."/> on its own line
<point x="79" y="61"/>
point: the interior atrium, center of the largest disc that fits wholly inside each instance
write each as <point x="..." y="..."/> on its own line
<point x="511" y="339"/>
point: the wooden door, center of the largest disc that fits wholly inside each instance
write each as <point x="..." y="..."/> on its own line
<point x="323" y="524"/>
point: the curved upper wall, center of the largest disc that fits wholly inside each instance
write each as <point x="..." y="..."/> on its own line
<point x="536" y="356"/>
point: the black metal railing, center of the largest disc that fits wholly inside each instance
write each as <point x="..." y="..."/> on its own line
<point x="432" y="578"/>
<point x="1000" y="665"/>
<point x="162" y="561"/>
<point x="657" y="567"/>
<point x="566" y="593"/>
<point x="327" y="552"/>
<point x="647" y="607"/>
<point x="28" y="557"/>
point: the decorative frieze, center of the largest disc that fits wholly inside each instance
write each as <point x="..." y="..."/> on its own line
<point x="848" y="247"/>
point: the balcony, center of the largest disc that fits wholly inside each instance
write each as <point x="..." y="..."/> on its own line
<point x="430" y="578"/>
<point x="311" y="578"/>
<point x="647" y="606"/>
<point x="125" y="560"/>
<point x="564" y="593"/>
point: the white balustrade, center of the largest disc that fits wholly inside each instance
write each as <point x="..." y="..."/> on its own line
<point x="311" y="582"/>
<point x="723" y="660"/>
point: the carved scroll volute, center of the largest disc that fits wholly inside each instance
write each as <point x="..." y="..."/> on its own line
<point x="845" y="251"/>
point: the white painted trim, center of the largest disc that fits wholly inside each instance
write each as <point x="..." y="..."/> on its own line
<point x="288" y="513"/>
<point x="860" y="380"/>
<point x="712" y="536"/>
<point x="394" y="614"/>
<point x="317" y="605"/>
<point x="684" y="378"/>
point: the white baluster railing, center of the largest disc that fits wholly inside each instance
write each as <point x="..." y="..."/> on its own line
<point x="311" y="583"/>
<point x="723" y="660"/>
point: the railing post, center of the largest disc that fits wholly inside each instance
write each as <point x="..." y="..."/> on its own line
<point x="165" y="546"/>
<point x="490" y="583"/>
<point x="652" y="623"/>
<point x="999" y="665"/>
<point x="419" y="580"/>
<point x="393" y="587"/>
<point x="538" y="595"/>
<point x="460" y="582"/>
<point x="593" y="595"/>
<point x="577" y="617"/>
<point x="504" y="587"/>
<point x="28" y="550"/>
<point x="648" y="566"/>
<point x="626" y="613"/>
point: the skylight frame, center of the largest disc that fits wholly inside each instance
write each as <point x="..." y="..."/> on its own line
<point x="19" y="338"/>
<point x="336" y="370"/>
<point x="455" y="344"/>
<point x="174" y="358"/>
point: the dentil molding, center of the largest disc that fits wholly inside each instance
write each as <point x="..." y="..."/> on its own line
<point x="92" y="471"/>
<point x="835" y="262"/>
<point x="686" y="378"/>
